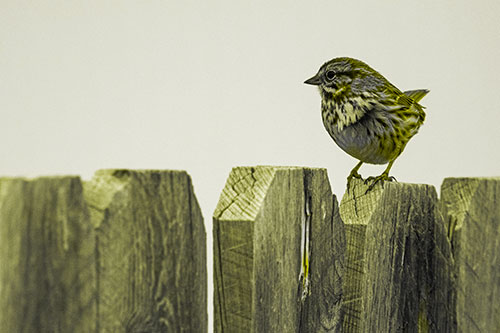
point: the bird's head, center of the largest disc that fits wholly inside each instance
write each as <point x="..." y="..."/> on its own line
<point x="337" y="75"/>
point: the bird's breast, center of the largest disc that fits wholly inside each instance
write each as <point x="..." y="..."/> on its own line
<point x="368" y="138"/>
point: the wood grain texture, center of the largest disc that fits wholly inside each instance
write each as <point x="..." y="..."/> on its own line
<point x="125" y="252"/>
<point x="47" y="274"/>
<point x="267" y="218"/>
<point x="151" y="252"/>
<point x="472" y="209"/>
<point x="398" y="260"/>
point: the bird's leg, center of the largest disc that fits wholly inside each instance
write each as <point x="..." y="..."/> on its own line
<point x="354" y="174"/>
<point x="384" y="176"/>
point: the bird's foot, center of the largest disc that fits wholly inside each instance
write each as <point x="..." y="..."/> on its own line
<point x="353" y="174"/>
<point x="374" y="180"/>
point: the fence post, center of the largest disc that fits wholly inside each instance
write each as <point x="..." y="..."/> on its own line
<point x="472" y="210"/>
<point x="398" y="260"/>
<point x="151" y="251"/>
<point x="124" y="252"/>
<point x="278" y="252"/>
<point x="47" y="274"/>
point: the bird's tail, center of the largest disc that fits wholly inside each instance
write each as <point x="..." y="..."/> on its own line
<point x="417" y="95"/>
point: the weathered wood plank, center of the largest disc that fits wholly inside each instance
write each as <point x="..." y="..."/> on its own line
<point x="398" y="260"/>
<point x="125" y="252"/>
<point x="267" y="221"/>
<point x="151" y="252"/>
<point x="47" y="268"/>
<point x="472" y="209"/>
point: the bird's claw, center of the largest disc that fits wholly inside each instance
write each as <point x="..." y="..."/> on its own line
<point x="353" y="174"/>
<point x="374" y="180"/>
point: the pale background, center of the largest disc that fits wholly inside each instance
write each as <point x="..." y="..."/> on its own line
<point x="208" y="85"/>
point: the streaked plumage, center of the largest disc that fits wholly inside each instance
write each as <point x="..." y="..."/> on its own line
<point x="366" y="115"/>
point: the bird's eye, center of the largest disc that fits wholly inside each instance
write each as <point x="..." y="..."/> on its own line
<point x="330" y="75"/>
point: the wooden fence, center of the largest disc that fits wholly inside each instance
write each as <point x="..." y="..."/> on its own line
<point x="125" y="252"/>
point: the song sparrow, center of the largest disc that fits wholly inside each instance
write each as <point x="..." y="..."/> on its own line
<point x="366" y="115"/>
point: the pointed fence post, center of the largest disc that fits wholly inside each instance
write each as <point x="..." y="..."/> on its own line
<point x="398" y="274"/>
<point x="150" y="251"/>
<point x="47" y="262"/>
<point x="278" y="252"/>
<point x="124" y="252"/>
<point x="471" y="207"/>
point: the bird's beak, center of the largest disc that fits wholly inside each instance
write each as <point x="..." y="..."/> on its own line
<point x="315" y="80"/>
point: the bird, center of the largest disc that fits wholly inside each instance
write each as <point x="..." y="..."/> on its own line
<point x="367" y="116"/>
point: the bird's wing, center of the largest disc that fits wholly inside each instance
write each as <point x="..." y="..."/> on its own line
<point x="402" y="103"/>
